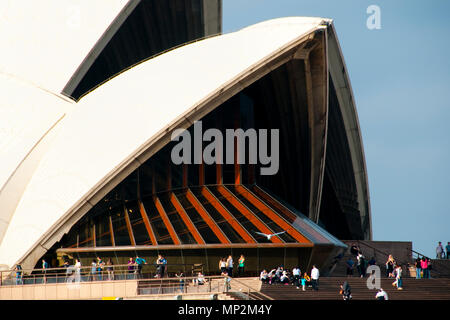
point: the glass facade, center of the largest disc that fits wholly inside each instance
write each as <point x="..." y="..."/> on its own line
<point x="198" y="212"/>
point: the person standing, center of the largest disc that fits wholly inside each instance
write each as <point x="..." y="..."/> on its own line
<point x="424" y="266"/>
<point x="44" y="269"/>
<point x="398" y="277"/>
<point x="349" y="265"/>
<point x="418" y="266"/>
<point x="354" y="250"/>
<point x="93" y="270"/>
<point x="361" y="265"/>
<point x="303" y="282"/>
<point x="77" y="270"/>
<point x="447" y="248"/>
<point x="161" y="262"/>
<point x="110" y="269"/>
<point x="180" y="276"/>
<point x="139" y="263"/>
<point x="223" y="266"/>
<point x="19" y="271"/>
<point x="100" y="265"/>
<point x="296" y="274"/>
<point x="390" y="266"/>
<point x="439" y="251"/>
<point x="241" y="263"/>
<point x="131" y="265"/>
<point x="315" y="278"/>
<point x="230" y="266"/>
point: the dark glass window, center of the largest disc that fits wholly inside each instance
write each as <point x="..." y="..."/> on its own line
<point x="178" y="224"/>
<point x="140" y="233"/>
<point x="161" y="233"/>
<point x="246" y="223"/>
<point x="202" y="227"/>
<point x="102" y="231"/>
<point x="223" y="224"/>
<point x="85" y="233"/>
<point x="264" y="218"/>
<point x="121" y="236"/>
<point x="145" y="179"/>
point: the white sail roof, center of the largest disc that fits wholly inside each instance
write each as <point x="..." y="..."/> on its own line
<point x="45" y="41"/>
<point x="114" y="124"/>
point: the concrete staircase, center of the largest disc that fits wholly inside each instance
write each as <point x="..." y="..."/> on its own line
<point x="413" y="289"/>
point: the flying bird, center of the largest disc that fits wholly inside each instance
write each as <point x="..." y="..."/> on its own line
<point x="269" y="236"/>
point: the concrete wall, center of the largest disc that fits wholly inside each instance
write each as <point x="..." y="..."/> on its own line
<point x="64" y="291"/>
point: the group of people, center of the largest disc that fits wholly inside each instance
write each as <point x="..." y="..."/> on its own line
<point x="441" y="252"/>
<point x="346" y="292"/>
<point x="394" y="270"/>
<point x="423" y="267"/>
<point x="294" y="277"/>
<point x="226" y="265"/>
<point x="98" y="268"/>
<point x="361" y="262"/>
<point x="135" y="266"/>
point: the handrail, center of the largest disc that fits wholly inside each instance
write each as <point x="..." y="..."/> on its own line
<point x="117" y="271"/>
<point x="435" y="262"/>
<point x="410" y="263"/>
<point x="89" y="267"/>
<point x="249" y="288"/>
<point x="381" y="251"/>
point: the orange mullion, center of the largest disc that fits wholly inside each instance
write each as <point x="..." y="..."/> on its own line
<point x="249" y="215"/>
<point x="166" y="221"/>
<point x="113" y="242"/>
<point x="130" y="230"/>
<point x="186" y="219"/>
<point x="148" y="226"/>
<point x="288" y="215"/>
<point x="227" y="216"/>
<point x="272" y="215"/>
<point x="87" y="240"/>
<point x="237" y="166"/>
<point x="206" y="217"/>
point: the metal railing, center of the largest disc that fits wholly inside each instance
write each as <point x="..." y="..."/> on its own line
<point x="445" y="268"/>
<point x="148" y="283"/>
<point x="86" y="273"/>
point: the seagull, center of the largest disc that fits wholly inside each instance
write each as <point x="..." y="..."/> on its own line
<point x="269" y="236"/>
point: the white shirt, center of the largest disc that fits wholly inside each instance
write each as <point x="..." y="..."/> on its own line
<point x="296" y="271"/>
<point x="77" y="267"/>
<point x="315" y="273"/>
<point x="382" y="294"/>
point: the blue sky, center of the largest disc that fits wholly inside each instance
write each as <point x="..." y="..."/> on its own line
<point x="400" y="76"/>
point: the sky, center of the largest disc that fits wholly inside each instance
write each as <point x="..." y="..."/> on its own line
<point x="400" y="75"/>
